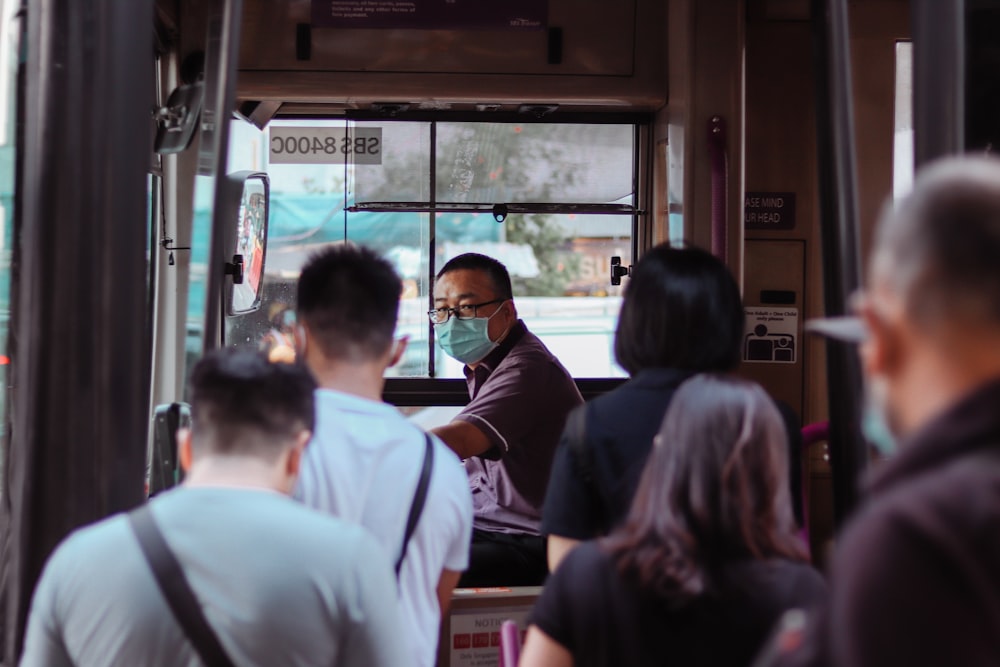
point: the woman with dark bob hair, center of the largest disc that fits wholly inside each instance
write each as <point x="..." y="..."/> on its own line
<point x="707" y="559"/>
<point x="682" y="314"/>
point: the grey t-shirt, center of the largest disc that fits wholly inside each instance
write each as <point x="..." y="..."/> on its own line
<point x="279" y="583"/>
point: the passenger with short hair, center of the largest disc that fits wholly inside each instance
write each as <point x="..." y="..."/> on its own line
<point x="915" y="578"/>
<point x="279" y="584"/>
<point x="366" y="460"/>
<point x="707" y="558"/>
<point x="508" y="432"/>
<point x="681" y="314"/>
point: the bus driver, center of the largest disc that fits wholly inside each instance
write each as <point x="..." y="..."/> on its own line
<point x="507" y="434"/>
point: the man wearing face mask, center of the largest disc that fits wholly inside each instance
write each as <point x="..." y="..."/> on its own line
<point x="507" y="434"/>
<point x="916" y="576"/>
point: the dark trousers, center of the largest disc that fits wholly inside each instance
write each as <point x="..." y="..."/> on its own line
<point x="502" y="559"/>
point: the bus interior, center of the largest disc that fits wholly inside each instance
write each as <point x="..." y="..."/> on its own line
<point x="166" y="167"/>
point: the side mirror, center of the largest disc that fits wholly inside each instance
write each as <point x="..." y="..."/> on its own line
<point x="247" y="205"/>
<point x="176" y="122"/>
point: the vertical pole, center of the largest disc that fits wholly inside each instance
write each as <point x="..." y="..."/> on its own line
<point x="938" y="78"/>
<point x="839" y="233"/>
<point x="221" y="55"/>
<point x="432" y="245"/>
<point x="77" y="452"/>
<point x="720" y="187"/>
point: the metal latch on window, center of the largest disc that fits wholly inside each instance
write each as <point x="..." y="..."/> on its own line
<point x="617" y="270"/>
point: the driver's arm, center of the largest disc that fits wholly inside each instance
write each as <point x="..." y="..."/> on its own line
<point x="463" y="438"/>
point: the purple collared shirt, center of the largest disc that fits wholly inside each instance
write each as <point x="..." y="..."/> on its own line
<point x="520" y="395"/>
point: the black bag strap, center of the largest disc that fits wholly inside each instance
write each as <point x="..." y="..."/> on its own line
<point x="419" y="496"/>
<point x="176" y="590"/>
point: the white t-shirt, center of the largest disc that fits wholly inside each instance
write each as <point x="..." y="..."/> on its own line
<point x="362" y="465"/>
<point x="279" y="583"/>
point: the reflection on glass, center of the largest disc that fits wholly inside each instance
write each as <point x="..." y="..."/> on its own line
<point x="533" y="163"/>
<point x="902" y="145"/>
<point x="251" y="226"/>
<point x="553" y="261"/>
<point x="201" y="230"/>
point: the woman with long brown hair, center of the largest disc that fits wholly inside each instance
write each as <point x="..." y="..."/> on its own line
<point x="707" y="558"/>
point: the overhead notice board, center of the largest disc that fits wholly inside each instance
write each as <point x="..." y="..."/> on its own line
<point x="431" y="14"/>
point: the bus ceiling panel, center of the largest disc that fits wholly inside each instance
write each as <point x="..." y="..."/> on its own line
<point x="597" y="37"/>
<point x="584" y="52"/>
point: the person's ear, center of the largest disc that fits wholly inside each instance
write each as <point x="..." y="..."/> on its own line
<point x="293" y="462"/>
<point x="301" y="336"/>
<point x="398" y="350"/>
<point x="184" y="448"/>
<point x="881" y="351"/>
<point x="510" y="310"/>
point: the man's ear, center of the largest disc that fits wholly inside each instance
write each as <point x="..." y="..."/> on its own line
<point x="184" y="448"/>
<point x="398" y="350"/>
<point x="301" y="340"/>
<point x="882" y="349"/>
<point x="294" y="460"/>
<point x="512" y="309"/>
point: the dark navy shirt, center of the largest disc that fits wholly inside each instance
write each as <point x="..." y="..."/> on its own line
<point x="520" y="395"/>
<point x="586" y="499"/>
<point x="620" y="426"/>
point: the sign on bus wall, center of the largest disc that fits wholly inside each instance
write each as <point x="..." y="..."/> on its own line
<point x="325" y="145"/>
<point x="769" y="210"/>
<point x="431" y="14"/>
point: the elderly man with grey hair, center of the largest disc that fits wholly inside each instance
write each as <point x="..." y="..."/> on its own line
<point x="915" y="578"/>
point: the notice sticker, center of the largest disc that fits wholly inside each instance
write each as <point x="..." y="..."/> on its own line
<point x="325" y="145"/>
<point x="770" y="335"/>
<point x="475" y="637"/>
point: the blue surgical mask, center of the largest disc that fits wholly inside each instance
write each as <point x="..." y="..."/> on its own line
<point x="874" y="422"/>
<point x="467" y="341"/>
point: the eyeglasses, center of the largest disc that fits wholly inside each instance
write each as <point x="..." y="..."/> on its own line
<point x="466" y="311"/>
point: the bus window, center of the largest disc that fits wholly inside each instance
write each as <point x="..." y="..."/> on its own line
<point x="8" y="78"/>
<point x="902" y="145"/>
<point x="422" y="192"/>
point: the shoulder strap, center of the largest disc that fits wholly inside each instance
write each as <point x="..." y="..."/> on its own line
<point x="419" y="496"/>
<point x="175" y="588"/>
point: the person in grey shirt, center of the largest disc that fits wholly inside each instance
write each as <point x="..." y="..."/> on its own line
<point x="279" y="584"/>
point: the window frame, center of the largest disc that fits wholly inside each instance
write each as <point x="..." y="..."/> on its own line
<point x="435" y="391"/>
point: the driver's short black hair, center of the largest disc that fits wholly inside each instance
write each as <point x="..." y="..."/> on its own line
<point x="495" y="269"/>
<point x="348" y="299"/>
<point x="241" y="403"/>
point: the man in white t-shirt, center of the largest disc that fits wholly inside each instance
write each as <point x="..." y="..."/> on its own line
<point x="365" y="459"/>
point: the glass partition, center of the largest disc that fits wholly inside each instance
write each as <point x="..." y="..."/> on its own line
<point x="420" y="193"/>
